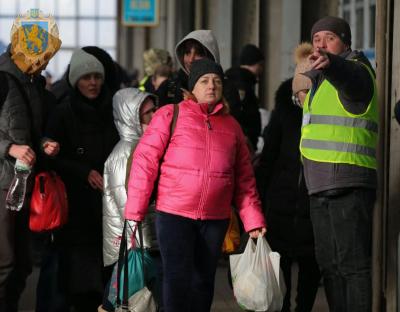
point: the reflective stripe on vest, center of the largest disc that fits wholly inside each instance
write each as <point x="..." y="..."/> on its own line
<point x="331" y="134"/>
<point x="341" y="121"/>
<point x="339" y="146"/>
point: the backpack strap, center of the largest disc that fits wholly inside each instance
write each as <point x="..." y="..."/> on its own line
<point x="172" y="129"/>
<point x="173" y="122"/>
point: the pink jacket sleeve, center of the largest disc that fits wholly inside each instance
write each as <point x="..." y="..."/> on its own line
<point x="146" y="162"/>
<point x="246" y="197"/>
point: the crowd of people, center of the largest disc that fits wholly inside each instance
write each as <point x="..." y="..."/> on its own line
<point x="176" y="152"/>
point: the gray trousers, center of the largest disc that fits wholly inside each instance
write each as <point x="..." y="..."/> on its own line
<point x="15" y="254"/>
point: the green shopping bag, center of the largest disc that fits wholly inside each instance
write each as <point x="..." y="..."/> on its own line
<point x="141" y="270"/>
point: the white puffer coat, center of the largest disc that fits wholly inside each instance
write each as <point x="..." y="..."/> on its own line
<point x="126" y="107"/>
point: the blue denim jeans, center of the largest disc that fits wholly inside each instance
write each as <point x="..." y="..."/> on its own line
<point x="342" y="230"/>
<point x="190" y="250"/>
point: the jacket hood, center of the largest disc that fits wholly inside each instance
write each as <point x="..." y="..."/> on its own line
<point x="126" y="108"/>
<point x="205" y="38"/>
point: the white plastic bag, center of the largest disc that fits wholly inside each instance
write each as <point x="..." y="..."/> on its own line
<point x="277" y="301"/>
<point x="257" y="282"/>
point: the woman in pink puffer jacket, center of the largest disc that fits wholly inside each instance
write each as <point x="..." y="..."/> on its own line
<point x="206" y="167"/>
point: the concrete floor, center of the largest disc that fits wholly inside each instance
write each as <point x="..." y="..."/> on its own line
<point x="223" y="299"/>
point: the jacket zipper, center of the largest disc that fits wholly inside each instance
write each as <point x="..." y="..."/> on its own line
<point x="208" y="124"/>
<point x="206" y="167"/>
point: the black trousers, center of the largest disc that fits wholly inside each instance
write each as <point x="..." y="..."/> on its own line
<point x="15" y="253"/>
<point x="307" y="282"/>
<point x="343" y="231"/>
<point x="190" y="250"/>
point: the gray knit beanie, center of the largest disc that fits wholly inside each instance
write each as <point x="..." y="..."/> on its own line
<point x="83" y="63"/>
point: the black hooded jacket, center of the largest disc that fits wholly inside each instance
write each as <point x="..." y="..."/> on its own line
<point x="280" y="179"/>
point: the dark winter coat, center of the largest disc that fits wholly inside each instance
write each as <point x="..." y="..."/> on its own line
<point x="280" y="180"/>
<point x="250" y="118"/>
<point x="87" y="134"/>
<point x="23" y="111"/>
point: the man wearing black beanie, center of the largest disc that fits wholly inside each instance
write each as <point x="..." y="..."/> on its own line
<point x="338" y="147"/>
<point x="245" y="77"/>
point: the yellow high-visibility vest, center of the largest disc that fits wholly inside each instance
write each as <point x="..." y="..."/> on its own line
<point x="142" y="83"/>
<point x="332" y="134"/>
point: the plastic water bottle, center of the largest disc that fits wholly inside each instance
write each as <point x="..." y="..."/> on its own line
<point x="16" y="193"/>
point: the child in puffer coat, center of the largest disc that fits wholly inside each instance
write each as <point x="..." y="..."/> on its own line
<point x="132" y="110"/>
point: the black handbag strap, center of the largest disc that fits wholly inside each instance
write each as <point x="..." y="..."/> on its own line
<point x="120" y="264"/>
<point x="140" y="229"/>
<point x="123" y="262"/>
